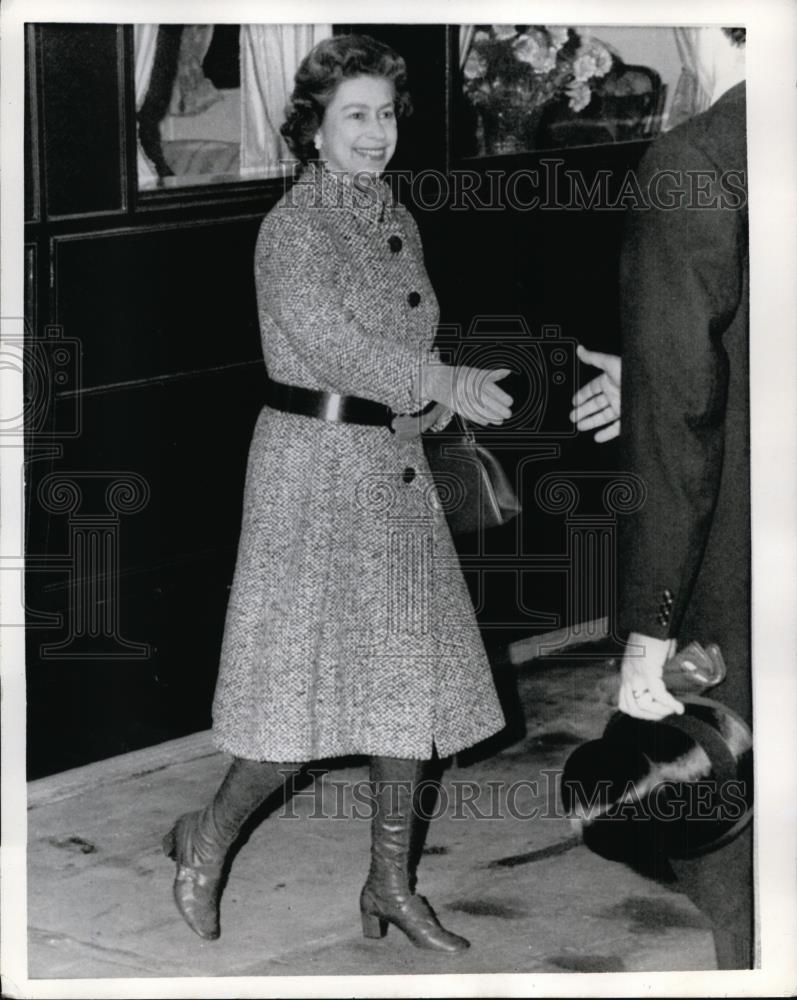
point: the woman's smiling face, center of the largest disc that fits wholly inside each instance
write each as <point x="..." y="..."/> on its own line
<point x="358" y="134"/>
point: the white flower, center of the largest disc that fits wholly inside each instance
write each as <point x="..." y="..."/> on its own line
<point x="539" y="57"/>
<point x="480" y="37"/>
<point x="526" y="49"/>
<point x="592" y="59"/>
<point x="603" y="59"/>
<point x="558" y="36"/>
<point x="580" y="96"/>
<point x="475" y="66"/>
<point x="504" y="31"/>
<point x="584" y="65"/>
<point x="549" y="61"/>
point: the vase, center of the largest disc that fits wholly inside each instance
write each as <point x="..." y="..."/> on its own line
<point x="509" y="127"/>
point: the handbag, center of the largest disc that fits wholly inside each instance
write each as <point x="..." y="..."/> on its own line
<point x="473" y="488"/>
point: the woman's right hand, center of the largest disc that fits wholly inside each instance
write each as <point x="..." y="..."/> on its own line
<point x="471" y="392"/>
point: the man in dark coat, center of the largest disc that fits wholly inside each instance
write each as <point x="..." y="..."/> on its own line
<point x="684" y="556"/>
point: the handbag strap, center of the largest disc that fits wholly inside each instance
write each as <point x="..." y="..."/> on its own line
<point x="463" y="427"/>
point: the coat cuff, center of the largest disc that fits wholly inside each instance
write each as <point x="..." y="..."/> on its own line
<point x="652" y="613"/>
<point x="442" y="421"/>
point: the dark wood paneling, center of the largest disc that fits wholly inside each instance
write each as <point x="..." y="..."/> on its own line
<point x="187" y="440"/>
<point x="147" y="303"/>
<point x="82" y="125"/>
<point x="554" y="266"/>
<point x="31" y="285"/>
<point x="556" y="263"/>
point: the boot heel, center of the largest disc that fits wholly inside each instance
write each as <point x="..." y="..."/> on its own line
<point x="373" y="926"/>
<point x="169" y="845"/>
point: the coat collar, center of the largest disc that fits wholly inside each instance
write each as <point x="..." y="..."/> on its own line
<point x="334" y="190"/>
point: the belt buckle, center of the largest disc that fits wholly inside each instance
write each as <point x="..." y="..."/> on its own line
<point x="333" y="406"/>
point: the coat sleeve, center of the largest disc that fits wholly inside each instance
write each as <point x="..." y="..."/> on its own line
<point x="681" y="284"/>
<point x="298" y="287"/>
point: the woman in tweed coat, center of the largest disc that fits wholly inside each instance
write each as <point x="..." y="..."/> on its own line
<point x="349" y="629"/>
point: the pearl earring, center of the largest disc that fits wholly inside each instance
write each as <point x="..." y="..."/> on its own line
<point x="317" y="142"/>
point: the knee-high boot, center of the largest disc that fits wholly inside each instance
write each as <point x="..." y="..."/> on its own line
<point x="199" y="841"/>
<point x="386" y="897"/>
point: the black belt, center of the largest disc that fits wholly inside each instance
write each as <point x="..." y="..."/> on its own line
<point x="329" y="406"/>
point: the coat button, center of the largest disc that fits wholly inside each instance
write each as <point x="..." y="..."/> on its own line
<point x="414" y="299"/>
<point x="408" y="474"/>
<point x="395" y="244"/>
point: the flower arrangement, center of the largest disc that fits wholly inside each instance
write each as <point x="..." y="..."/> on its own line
<point x="513" y="71"/>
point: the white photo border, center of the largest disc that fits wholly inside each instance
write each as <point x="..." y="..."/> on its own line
<point x="772" y="111"/>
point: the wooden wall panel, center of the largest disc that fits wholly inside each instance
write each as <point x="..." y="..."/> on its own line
<point x="554" y="263"/>
<point x="82" y="127"/>
<point x="186" y="440"/>
<point x="152" y="302"/>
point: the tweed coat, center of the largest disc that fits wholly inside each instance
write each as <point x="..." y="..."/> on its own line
<point x="685" y="554"/>
<point x="349" y="627"/>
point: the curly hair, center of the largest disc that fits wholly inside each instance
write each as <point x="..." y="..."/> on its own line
<point x="321" y="71"/>
<point x="737" y="35"/>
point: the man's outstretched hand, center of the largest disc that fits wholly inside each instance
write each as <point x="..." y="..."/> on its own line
<point x="597" y="404"/>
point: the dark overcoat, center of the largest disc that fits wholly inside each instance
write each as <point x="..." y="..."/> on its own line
<point x="349" y="628"/>
<point x="685" y="555"/>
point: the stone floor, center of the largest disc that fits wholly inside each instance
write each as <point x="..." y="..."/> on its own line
<point x="520" y="885"/>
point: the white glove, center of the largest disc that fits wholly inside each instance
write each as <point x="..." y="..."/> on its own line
<point x="642" y="691"/>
